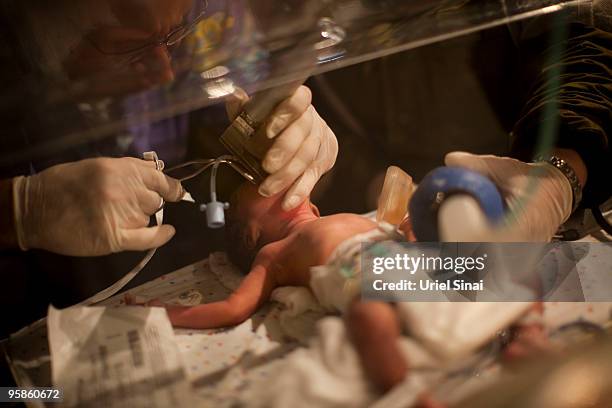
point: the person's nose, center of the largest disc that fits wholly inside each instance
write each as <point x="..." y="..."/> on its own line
<point x="158" y="65"/>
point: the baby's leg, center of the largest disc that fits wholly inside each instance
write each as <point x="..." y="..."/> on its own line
<point x="427" y="401"/>
<point x="375" y="329"/>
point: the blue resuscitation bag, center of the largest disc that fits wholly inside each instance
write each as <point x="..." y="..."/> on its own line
<point x="443" y="182"/>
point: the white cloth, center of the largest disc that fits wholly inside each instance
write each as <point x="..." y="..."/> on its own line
<point x="452" y="330"/>
<point x="328" y="374"/>
<point x="299" y="313"/>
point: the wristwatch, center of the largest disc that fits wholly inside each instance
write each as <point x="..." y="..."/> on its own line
<point x="569" y="173"/>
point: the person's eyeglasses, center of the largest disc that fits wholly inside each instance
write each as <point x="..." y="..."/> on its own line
<point x="108" y="46"/>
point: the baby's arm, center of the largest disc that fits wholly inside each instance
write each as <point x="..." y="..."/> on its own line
<point x="254" y="290"/>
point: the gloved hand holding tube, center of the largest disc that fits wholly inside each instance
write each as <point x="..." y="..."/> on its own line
<point x="93" y="207"/>
<point x="303" y="146"/>
<point x="538" y="198"/>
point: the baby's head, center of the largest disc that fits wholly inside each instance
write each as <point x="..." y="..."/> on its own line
<point x="254" y="221"/>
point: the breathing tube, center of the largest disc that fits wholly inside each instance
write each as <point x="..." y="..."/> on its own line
<point x="215" y="210"/>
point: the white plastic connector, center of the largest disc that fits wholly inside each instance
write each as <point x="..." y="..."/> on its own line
<point x="215" y="213"/>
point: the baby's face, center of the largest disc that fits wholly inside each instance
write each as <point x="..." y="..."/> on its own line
<point x="264" y="218"/>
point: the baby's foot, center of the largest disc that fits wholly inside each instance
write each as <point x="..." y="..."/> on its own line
<point x="529" y="336"/>
<point x="528" y="340"/>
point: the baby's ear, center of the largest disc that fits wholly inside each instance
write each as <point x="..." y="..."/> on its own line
<point x="315" y="209"/>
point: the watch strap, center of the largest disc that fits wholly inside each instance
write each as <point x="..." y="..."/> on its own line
<point x="570" y="174"/>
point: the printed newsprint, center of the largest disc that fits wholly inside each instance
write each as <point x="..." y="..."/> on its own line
<point x="119" y="357"/>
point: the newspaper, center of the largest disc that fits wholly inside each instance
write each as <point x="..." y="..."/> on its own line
<point x="119" y="357"/>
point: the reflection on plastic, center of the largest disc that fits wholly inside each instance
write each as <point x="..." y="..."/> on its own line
<point x="395" y="196"/>
<point x="249" y="38"/>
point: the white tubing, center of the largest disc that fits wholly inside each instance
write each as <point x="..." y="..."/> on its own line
<point x="121" y="283"/>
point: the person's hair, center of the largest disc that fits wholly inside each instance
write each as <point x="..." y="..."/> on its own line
<point x="240" y="252"/>
<point x="49" y="31"/>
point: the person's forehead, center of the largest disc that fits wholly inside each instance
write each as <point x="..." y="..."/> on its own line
<point x="153" y="16"/>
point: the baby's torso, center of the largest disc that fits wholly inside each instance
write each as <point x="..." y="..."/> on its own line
<point x="313" y="245"/>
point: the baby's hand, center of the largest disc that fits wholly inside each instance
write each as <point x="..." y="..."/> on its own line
<point x="156" y="303"/>
<point x="133" y="300"/>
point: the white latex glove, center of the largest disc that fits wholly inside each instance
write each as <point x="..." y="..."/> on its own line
<point x="93" y="207"/>
<point x="538" y="196"/>
<point x="305" y="148"/>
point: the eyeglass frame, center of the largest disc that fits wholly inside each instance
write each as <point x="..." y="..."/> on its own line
<point x="167" y="41"/>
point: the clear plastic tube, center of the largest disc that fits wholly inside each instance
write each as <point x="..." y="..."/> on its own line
<point x="206" y="163"/>
<point x="213" y="180"/>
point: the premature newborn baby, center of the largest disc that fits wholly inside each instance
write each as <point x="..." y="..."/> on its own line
<point x="301" y="248"/>
<point x="285" y="246"/>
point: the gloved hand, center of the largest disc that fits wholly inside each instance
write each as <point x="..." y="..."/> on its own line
<point x="538" y="197"/>
<point x="93" y="207"/>
<point x="305" y="148"/>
